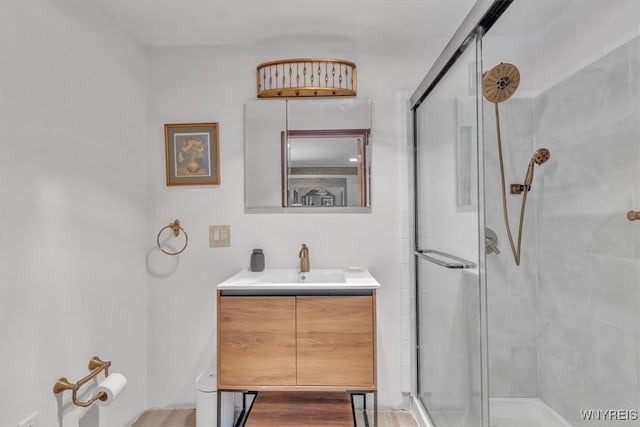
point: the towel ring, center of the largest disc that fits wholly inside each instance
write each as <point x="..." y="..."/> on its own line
<point x="176" y="228"/>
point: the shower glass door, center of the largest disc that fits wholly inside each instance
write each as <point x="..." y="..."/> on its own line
<point x="447" y="258"/>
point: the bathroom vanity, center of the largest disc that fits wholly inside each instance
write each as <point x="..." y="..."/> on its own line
<point x="283" y="330"/>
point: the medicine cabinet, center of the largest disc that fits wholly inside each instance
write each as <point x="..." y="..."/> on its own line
<point x="311" y="155"/>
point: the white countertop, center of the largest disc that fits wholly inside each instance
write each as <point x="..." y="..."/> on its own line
<point x="290" y="279"/>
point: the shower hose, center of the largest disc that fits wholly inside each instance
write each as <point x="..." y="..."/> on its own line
<point x="516" y="251"/>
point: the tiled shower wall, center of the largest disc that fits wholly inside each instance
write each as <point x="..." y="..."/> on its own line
<point x="588" y="269"/>
<point x="564" y="325"/>
<point x="511" y="290"/>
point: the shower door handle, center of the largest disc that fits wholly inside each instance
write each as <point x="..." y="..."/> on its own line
<point x="455" y="262"/>
<point x="633" y="215"/>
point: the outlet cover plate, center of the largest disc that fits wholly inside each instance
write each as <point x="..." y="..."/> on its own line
<point x="219" y="236"/>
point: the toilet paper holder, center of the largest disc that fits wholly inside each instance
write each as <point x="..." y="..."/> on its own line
<point x="95" y="366"/>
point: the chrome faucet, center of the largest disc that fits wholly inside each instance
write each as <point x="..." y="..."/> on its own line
<point x="304" y="258"/>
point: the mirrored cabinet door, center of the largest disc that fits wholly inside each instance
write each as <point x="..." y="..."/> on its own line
<point x="316" y="157"/>
<point x="264" y="122"/>
<point x="326" y="168"/>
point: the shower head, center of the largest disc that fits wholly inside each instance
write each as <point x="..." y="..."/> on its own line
<point x="539" y="157"/>
<point x="500" y="82"/>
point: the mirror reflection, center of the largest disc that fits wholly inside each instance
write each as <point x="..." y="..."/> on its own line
<point x="325" y="168"/>
<point x="308" y="155"/>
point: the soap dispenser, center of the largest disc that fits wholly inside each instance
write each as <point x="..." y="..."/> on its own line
<point x="257" y="260"/>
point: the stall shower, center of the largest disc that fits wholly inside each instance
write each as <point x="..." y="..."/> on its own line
<point x="539" y="325"/>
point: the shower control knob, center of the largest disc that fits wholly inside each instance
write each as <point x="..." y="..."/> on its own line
<point x="633" y="215"/>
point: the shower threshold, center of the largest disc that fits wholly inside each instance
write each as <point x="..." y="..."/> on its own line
<point x="523" y="412"/>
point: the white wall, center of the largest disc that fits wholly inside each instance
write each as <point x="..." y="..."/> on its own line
<point x="583" y="32"/>
<point x="72" y="206"/>
<point x="213" y="84"/>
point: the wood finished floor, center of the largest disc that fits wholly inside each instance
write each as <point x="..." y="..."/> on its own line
<point x="187" y="418"/>
<point x="301" y="409"/>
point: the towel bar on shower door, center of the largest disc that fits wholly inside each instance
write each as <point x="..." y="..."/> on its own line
<point x="457" y="261"/>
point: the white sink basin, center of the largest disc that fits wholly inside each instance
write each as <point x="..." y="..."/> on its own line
<point x="348" y="278"/>
<point x="315" y="276"/>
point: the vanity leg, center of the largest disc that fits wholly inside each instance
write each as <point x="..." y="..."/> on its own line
<point x="240" y="420"/>
<point x="244" y="414"/>
<point x="375" y="408"/>
<point x="364" y="410"/>
<point x="365" y="414"/>
<point x="353" y="410"/>
<point x="219" y="406"/>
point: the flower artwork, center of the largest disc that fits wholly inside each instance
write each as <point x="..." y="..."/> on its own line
<point x="192" y="154"/>
<point x="191" y="158"/>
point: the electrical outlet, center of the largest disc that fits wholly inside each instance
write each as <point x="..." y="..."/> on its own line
<point x="30" y="421"/>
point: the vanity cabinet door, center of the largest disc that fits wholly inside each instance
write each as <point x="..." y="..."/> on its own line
<point x="256" y="341"/>
<point x="335" y="341"/>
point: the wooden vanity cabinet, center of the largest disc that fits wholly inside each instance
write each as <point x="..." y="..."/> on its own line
<point x="256" y="341"/>
<point x="310" y="342"/>
<point x="335" y="340"/>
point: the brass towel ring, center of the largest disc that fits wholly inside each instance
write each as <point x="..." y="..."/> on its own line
<point x="176" y="228"/>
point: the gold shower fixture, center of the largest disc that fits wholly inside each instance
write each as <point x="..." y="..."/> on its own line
<point x="539" y="157"/>
<point x="303" y="77"/>
<point x="500" y="82"/>
<point x="498" y="85"/>
<point x="633" y="215"/>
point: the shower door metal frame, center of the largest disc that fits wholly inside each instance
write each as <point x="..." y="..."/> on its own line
<point x="479" y="20"/>
<point x="474" y="39"/>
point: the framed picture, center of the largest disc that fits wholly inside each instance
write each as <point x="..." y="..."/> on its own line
<point x="192" y="153"/>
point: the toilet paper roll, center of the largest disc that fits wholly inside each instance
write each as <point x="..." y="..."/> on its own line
<point x="112" y="386"/>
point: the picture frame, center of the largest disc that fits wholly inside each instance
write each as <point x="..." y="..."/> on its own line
<point x="192" y="153"/>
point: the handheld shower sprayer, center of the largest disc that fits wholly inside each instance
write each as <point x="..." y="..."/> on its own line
<point x="498" y="85"/>
<point x="539" y="157"/>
